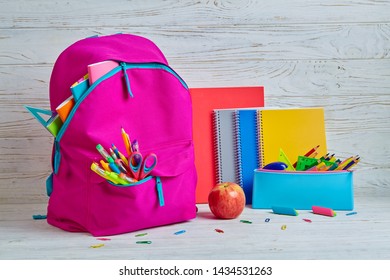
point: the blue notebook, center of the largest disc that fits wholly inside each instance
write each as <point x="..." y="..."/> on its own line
<point x="246" y="149"/>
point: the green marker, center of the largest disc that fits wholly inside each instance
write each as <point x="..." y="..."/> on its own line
<point x="104" y="153"/>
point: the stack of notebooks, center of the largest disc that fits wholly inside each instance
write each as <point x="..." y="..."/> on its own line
<point x="204" y="101"/>
<point x="249" y="138"/>
<point x="56" y="119"/>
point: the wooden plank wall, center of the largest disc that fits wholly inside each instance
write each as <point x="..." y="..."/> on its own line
<point x="329" y="53"/>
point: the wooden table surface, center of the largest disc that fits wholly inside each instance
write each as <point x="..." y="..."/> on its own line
<point x="363" y="236"/>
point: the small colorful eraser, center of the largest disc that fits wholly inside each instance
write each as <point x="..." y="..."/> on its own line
<point x="284" y="211"/>
<point x="323" y="211"/>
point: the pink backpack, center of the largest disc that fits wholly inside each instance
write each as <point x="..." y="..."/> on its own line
<point x="151" y="102"/>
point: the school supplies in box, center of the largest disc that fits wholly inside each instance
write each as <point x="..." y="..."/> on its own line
<point x="294" y="130"/>
<point x="326" y="163"/>
<point x="204" y="101"/>
<point x="152" y="102"/>
<point x="302" y="189"/>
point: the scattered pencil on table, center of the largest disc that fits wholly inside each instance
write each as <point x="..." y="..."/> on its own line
<point x="323" y="211"/>
<point x="307" y="220"/>
<point x="351" y="213"/>
<point x="103" y="239"/>
<point x="284" y="211"/>
<point x="245" y="222"/>
<point x="219" y="230"/>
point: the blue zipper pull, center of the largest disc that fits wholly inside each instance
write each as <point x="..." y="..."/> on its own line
<point x="126" y="79"/>
<point x="160" y="191"/>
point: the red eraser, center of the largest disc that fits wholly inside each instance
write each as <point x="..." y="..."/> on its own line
<point x="323" y="211"/>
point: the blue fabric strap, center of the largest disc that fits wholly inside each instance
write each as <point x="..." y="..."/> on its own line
<point x="160" y="191"/>
<point x="126" y="79"/>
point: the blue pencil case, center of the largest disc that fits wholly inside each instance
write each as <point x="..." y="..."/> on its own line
<point x="303" y="189"/>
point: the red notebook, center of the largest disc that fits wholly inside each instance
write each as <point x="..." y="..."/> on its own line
<point x="204" y="101"/>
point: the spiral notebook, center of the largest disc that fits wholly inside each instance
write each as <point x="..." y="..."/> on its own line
<point x="236" y="147"/>
<point x="224" y="146"/>
<point x="247" y="149"/>
<point x="294" y="130"/>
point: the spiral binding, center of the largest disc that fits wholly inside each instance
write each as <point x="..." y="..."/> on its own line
<point x="237" y="147"/>
<point x="217" y="147"/>
<point x="260" y="139"/>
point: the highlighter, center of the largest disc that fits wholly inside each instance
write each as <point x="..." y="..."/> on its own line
<point x="323" y="211"/>
<point x="284" y="211"/>
<point x="101" y="172"/>
<point x="111" y="176"/>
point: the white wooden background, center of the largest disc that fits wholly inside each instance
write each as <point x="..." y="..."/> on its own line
<point x="329" y="53"/>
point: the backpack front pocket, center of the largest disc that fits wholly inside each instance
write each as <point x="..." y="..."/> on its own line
<point x="165" y="197"/>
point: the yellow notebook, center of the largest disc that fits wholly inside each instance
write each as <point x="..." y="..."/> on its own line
<point x="295" y="131"/>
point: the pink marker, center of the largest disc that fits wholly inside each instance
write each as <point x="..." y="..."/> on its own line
<point x="323" y="211"/>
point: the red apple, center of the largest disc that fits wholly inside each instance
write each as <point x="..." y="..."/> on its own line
<point x="227" y="200"/>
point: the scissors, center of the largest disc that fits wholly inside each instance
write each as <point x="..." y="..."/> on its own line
<point x="141" y="167"/>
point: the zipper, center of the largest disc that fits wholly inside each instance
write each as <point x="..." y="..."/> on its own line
<point x="132" y="184"/>
<point x="159" y="188"/>
<point x="123" y="66"/>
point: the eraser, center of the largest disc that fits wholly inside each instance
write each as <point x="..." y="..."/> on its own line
<point x="323" y="211"/>
<point x="284" y="211"/>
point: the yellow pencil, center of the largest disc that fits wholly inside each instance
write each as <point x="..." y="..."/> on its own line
<point x="126" y="140"/>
